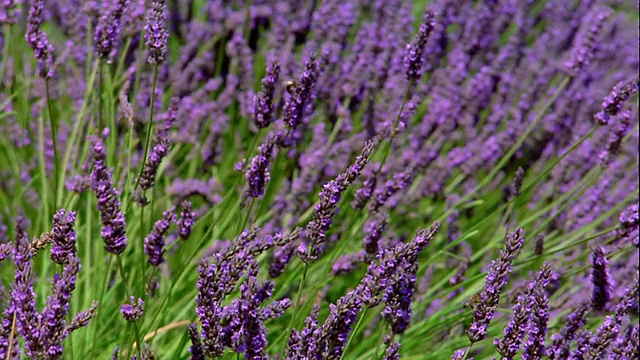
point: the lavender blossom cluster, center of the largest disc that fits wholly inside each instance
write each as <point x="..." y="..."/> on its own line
<point x="319" y="179"/>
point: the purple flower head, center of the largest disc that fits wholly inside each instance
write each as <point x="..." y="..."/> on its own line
<point x="327" y="206"/>
<point x="156" y="34"/>
<point x="584" y="49"/>
<point x="158" y="153"/>
<point x="113" y="222"/>
<point x="63" y="237"/>
<point x="515" y="330"/>
<point x="263" y="109"/>
<point x="534" y="347"/>
<point x="23" y="294"/>
<point x="513" y="190"/>
<point x="613" y="103"/>
<point x="197" y="353"/>
<point x="257" y="174"/>
<point x="54" y="329"/>
<point x="186" y="220"/>
<point x="609" y="330"/>
<point x="392" y="351"/>
<point x="630" y="224"/>
<point x="106" y="37"/>
<point x="414" y="54"/>
<point x="300" y="94"/>
<point x="133" y="310"/>
<point x="495" y="282"/>
<point x="561" y="341"/>
<point x="614" y="145"/>
<point x="600" y="279"/>
<point x="10" y="11"/>
<point x="37" y="39"/>
<point x="154" y="243"/>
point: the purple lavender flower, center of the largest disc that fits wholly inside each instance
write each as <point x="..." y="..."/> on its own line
<point x="257" y="174"/>
<point x="82" y="319"/>
<point x="613" y="103"/>
<point x="24" y="296"/>
<point x="514" y="332"/>
<point x="197" y="353"/>
<point x="263" y="110"/>
<point x="630" y="224"/>
<point x="38" y="41"/>
<point x="539" y="302"/>
<point x="300" y="94"/>
<point x="63" y="237"/>
<point x="495" y="281"/>
<point x="392" y="351"/>
<point x="158" y="153"/>
<point x="600" y="279"/>
<point x="561" y="341"/>
<point x="618" y="133"/>
<point x="327" y="206"/>
<point x="154" y="242"/>
<point x="583" y="51"/>
<point x="156" y="34"/>
<point x="513" y="190"/>
<point x="414" y="54"/>
<point x="54" y="330"/>
<point x="106" y="37"/>
<point x="304" y="344"/>
<point x="133" y="310"/>
<point x="113" y="222"/>
<point x="608" y="331"/>
<point x="186" y="220"/>
<point x="10" y="11"/>
<point x="373" y="230"/>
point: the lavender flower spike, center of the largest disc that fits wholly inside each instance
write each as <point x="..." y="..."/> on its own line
<point x="154" y="242"/>
<point x="113" y="222"/>
<point x="534" y="347"/>
<point x="263" y="102"/>
<point x="186" y="221"/>
<point x="63" y="237"/>
<point x="495" y="282"/>
<point x="53" y="317"/>
<point x="600" y="279"/>
<point x="560" y="342"/>
<point x="133" y="310"/>
<point x="414" y="54"/>
<point x="107" y="34"/>
<point x="24" y="296"/>
<point x="38" y="41"/>
<point x="514" y="332"/>
<point x="300" y="94"/>
<point x="257" y="174"/>
<point x="612" y="104"/>
<point x="630" y="224"/>
<point x="327" y="206"/>
<point x="156" y="34"/>
<point x="157" y="154"/>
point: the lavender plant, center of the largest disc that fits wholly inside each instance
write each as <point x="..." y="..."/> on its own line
<point x="348" y="179"/>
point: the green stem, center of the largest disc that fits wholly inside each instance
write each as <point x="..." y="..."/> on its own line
<point x="103" y="289"/>
<point x="149" y="126"/>
<point x="353" y="332"/>
<point x="295" y="305"/>
<point x="385" y="155"/>
<point x="54" y="130"/>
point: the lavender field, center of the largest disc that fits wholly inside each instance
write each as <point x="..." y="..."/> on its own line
<point x="309" y="179"/>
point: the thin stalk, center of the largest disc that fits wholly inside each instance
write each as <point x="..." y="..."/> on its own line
<point x="128" y="294"/>
<point x="150" y="125"/>
<point x="103" y="289"/>
<point x="54" y="131"/>
<point x="100" y="86"/>
<point x="296" y="303"/>
<point x="353" y="332"/>
<point x="385" y="155"/>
